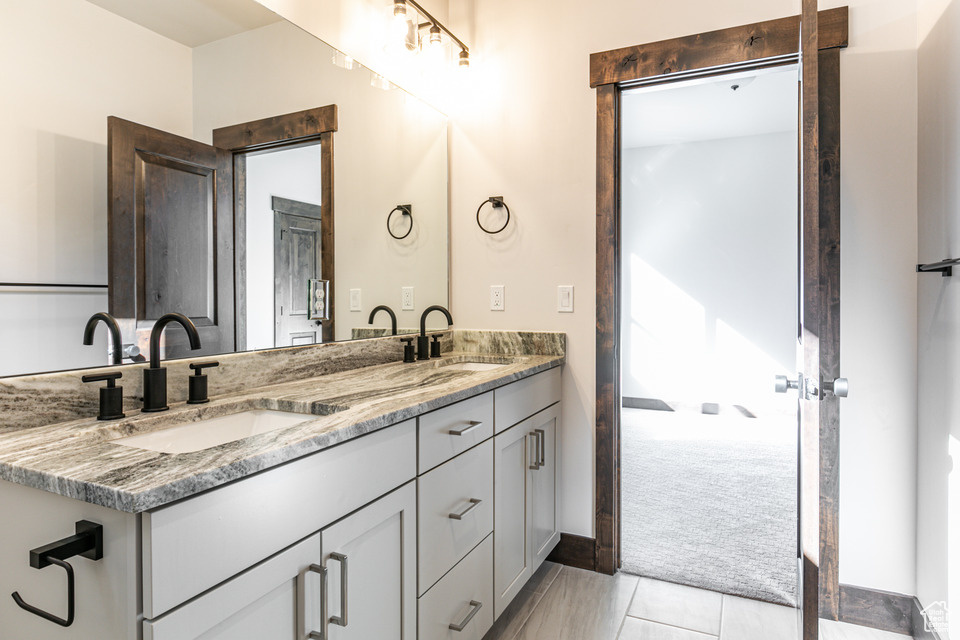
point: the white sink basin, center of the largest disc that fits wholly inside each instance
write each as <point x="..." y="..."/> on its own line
<point x="197" y="436"/>
<point x="474" y="366"/>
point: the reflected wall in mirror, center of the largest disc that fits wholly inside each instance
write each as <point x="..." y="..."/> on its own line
<point x="249" y="257"/>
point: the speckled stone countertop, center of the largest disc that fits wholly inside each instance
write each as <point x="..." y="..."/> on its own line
<point x="78" y="459"/>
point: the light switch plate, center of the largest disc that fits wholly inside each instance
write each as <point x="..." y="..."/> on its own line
<point x="565" y="298"/>
<point x="355" y="300"/>
<point x="496" y="297"/>
<point x="406" y="298"/>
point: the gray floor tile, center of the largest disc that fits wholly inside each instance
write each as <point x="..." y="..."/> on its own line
<point x="581" y="605"/>
<point x="744" y="619"/>
<point x="830" y="630"/>
<point x="515" y="615"/>
<point x="636" y="629"/>
<point x="677" y="605"/>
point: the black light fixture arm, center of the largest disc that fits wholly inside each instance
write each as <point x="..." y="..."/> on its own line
<point x="426" y="14"/>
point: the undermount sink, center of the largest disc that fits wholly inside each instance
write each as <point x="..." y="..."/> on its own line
<point x="204" y="434"/>
<point x="474" y="366"/>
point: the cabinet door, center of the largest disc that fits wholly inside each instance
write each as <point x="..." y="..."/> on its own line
<point x="512" y="566"/>
<point x="277" y="599"/>
<point x="371" y="561"/>
<point x="543" y="532"/>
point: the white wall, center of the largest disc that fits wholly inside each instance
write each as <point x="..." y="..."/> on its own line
<point x="68" y="65"/>
<point x="710" y="269"/>
<point x="528" y="133"/>
<point x="390" y="149"/>
<point x="938" y="308"/>
<point x="290" y="173"/>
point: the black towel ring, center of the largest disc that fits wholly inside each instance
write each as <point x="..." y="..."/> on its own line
<point x="497" y="202"/>
<point x="404" y="209"/>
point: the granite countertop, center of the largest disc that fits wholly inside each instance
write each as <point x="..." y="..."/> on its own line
<point x="78" y="459"/>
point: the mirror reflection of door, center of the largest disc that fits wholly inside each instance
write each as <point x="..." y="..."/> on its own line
<point x="171" y="235"/>
<point x="297" y="251"/>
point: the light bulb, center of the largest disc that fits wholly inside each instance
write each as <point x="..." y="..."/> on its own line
<point x="400" y="8"/>
<point x="435" y="36"/>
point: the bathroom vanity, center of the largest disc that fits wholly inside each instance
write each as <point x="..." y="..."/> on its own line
<point x="390" y="501"/>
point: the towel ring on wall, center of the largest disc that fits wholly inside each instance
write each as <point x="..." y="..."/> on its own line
<point x="497" y="202"/>
<point x="406" y="210"/>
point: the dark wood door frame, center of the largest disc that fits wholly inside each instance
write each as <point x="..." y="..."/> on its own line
<point x="310" y="126"/>
<point x="765" y="43"/>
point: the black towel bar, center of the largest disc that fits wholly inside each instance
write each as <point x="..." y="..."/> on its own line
<point x="944" y="267"/>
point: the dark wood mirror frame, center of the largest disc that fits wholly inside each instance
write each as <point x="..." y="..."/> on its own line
<point x="768" y="43"/>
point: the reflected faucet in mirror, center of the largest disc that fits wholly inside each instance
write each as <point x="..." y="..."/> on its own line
<point x="425" y="350"/>
<point x="393" y="317"/>
<point x="155" y="377"/>
<point x="118" y="350"/>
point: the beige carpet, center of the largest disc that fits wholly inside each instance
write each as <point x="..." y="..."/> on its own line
<point x="711" y="501"/>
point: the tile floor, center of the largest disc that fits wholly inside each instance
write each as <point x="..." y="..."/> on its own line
<point x="562" y="603"/>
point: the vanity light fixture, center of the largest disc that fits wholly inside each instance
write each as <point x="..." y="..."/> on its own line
<point x="406" y="16"/>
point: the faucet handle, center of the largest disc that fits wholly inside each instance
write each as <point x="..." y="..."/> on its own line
<point x="435" y="345"/>
<point x="111" y="396"/>
<point x="198" y="382"/>
<point x="408" y="353"/>
<point x="198" y="367"/>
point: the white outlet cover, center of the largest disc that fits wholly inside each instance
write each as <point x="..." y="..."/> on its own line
<point x="565" y="298"/>
<point x="406" y="298"/>
<point x="497" y="302"/>
<point x="355" y="304"/>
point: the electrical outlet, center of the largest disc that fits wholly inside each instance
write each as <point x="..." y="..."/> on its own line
<point x="355" y="300"/>
<point x="496" y="297"/>
<point x="565" y="298"/>
<point x="406" y="298"/>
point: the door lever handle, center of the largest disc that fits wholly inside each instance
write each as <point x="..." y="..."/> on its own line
<point x="839" y="387"/>
<point x="784" y="384"/>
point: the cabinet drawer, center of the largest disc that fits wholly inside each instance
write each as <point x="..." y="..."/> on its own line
<point x="467" y="588"/>
<point x="461" y="488"/>
<point x="439" y="441"/>
<point x="520" y="400"/>
<point x="197" y="543"/>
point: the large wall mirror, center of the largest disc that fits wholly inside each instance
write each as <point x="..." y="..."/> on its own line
<point x="210" y="158"/>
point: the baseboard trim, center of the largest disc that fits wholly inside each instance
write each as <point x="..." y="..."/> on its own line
<point x="575" y="551"/>
<point x="882" y="610"/>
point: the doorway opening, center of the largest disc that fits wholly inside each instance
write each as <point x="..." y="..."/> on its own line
<point x="283" y="230"/>
<point x="709" y="315"/>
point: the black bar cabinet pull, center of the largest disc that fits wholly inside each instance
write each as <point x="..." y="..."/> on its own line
<point x="87" y="542"/>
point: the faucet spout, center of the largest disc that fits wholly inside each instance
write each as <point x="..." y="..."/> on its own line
<point x="423" y="344"/>
<point x="158" y="328"/>
<point x="116" y="343"/>
<point x="393" y="317"/>
<point x="155" y="377"/>
<point x="426" y="312"/>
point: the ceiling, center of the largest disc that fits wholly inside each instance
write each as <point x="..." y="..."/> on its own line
<point x="765" y="101"/>
<point x="193" y="22"/>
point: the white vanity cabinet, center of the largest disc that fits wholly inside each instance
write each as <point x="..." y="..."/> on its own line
<point x="425" y="529"/>
<point x="525" y="514"/>
<point x="367" y="561"/>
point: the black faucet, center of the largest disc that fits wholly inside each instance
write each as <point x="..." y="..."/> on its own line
<point x="393" y="317"/>
<point x="423" y="343"/>
<point x="155" y="377"/>
<point x="116" y="342"/>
